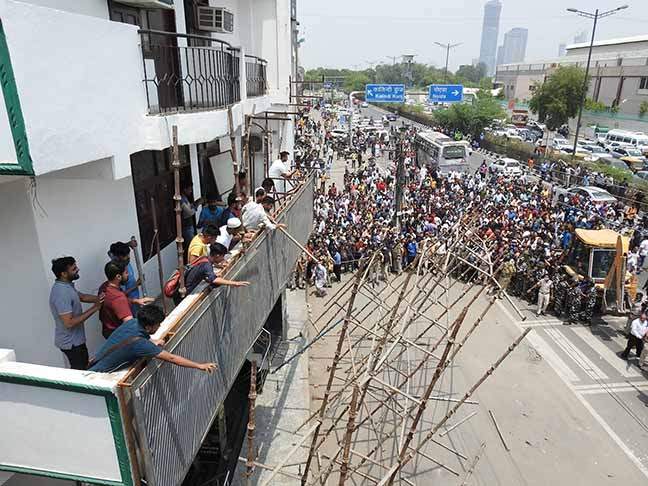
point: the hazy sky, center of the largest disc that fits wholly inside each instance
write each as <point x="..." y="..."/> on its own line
<point x="352" y="33"/>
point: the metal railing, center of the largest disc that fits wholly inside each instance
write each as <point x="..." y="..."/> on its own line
<point x="256" y="75"/>
<point x="173" y="407"/>
<point x="203" y="74"/>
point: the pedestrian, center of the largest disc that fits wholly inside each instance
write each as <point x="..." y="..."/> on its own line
<point x="636" y="337"/>
<point x="544" y="286"/>
<point x="320" y="277"/>
<point x="132" y="341"/>
<point x="69" y="316"/>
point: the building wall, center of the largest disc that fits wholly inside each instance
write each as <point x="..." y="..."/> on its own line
<point x="94" y="8"/>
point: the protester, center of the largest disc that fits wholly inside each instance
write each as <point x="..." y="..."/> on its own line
<point x="132" y="341"/>
<point x="69" y="316"/>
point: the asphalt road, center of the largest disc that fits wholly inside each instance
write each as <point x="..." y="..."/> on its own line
<point x="582" y="388"/>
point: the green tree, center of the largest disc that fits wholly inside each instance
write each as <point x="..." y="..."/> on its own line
<point x="356" y="81"/>
<point x="557" y="99"/>
<point x="470" y="119"/>
<point x="472" y="74"/>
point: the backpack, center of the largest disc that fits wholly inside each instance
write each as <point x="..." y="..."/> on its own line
<point x="171" y="285"/>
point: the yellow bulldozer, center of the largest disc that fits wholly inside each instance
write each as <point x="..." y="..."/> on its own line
<point x="601" y="256"/>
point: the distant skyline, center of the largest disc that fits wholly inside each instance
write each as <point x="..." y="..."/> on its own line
<point x="362" y="33"/>
<point x="488" y="50"/>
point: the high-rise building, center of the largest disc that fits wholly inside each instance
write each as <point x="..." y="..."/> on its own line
<point x="562" y="49"/>
<point x="514" y="46"/>
<point x="581" y="38"/>
<point x="500" y="56"/>
<point x="490" y="34"/>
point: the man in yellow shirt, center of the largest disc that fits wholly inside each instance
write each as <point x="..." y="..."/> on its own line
<point x="199" y="246"/>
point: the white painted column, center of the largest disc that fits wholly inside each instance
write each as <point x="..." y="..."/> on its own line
<point x="195" y="170"/>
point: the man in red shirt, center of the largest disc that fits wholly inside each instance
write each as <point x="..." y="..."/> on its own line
<point x="116" y="309"/>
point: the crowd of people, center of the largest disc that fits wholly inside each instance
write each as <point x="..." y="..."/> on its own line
<point x="530" y="230"/>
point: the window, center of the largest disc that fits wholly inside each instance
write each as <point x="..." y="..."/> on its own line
<point x="153" y="178"/>
<point x="643" y="83"/>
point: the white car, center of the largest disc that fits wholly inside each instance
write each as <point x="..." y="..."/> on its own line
<point x="364" y="104"/>
<point x="592" y="193"/>
<point x="507" y="166"/>
<point x="339" y="133"/>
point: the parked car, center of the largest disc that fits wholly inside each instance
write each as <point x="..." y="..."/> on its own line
<point x="392" y="117"/>
<point x="631" y="156"/>
<point x="364" y="104"/>
<point x="507" y="166"/>
<point x="593" y="194"/>
<point x="595" y="152"/>
<point x="616" y="163"/>
<point x="642" y="175"/>
<point x="339" y="133"/>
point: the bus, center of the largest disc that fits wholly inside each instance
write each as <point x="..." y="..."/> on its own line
<point x="441" y="152"/>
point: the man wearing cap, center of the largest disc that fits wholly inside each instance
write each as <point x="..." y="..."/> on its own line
<point x="544" y="293"/>
<point x="231" y="233"/>
<point x="279" y="170"/>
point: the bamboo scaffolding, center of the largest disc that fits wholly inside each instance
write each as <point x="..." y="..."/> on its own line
<point x="249" y="465"/>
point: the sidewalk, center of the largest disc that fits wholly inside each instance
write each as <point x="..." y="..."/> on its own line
<point x="283" y="405"/>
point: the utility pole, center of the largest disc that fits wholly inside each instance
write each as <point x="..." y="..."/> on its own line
<point x="447" y="47"/>
<point x="400" y="178"/>
<point x="595" y="16"/>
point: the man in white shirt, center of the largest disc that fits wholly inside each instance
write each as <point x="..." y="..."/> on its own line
<point x="279" y="170"/>
<point x="231" y="233"/>
<point x="255" y="215"/>
<point x="635" y="338"/>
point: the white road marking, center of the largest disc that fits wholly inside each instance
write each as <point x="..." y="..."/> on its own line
<point x="611" y="387"/>
<point x="606" y="353"/>
<point x="613" y="435"/>
<point x="576" y="354"/>
<point x="545" y="350"/>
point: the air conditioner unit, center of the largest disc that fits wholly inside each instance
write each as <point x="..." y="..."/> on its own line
<point x="215" y="19"/>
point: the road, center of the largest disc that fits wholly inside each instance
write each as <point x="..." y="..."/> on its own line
<point x="589" y="407"/>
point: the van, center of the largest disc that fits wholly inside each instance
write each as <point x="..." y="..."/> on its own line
<point x="637" y="139"/>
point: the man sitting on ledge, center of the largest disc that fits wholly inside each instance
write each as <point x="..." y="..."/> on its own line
<point x="132" y="341"/>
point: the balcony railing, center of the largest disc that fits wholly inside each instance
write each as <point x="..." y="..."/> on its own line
<point x="148" y="424"/>
<point x="205" y="74"/>
<point x="256" y="75"/>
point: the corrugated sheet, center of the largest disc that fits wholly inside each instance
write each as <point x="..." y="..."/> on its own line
<point x="173" y="406"/>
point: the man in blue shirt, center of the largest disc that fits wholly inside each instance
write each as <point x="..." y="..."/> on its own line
<point x="132" y="341"/>
<point x="211" y="213"/>
<point x="412" y="250"/>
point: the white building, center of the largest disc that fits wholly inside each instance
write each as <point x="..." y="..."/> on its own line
<point x="618" y="78"/>
<point x="92" y="89"/>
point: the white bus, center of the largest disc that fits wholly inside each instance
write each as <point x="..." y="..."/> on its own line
<point x="441" y="152"/>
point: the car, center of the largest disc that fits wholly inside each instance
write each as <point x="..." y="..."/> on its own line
<point x="616" y="163"/>
<point x="593" y="194"/>
<point x="594" y="152"/>
<point x="641" y="176"/>
<point x="631" y="156"/>
<point x="507" y="166"/>
<point x="364" y="104"/>
<point x="339" y="133"/>
<point x="392" y="117"/>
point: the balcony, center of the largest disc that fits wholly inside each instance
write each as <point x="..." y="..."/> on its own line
<point x="148" y="423"/>
<point x="188" y="72"/>
<point x="256" y="76"/>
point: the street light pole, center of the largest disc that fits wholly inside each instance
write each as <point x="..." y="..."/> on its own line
<point x="595" y="16"/>
<point x="447" y="47"/>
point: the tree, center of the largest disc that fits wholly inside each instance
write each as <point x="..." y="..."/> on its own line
<point x="559" y="97"/>
<point x="473" y="74"/>
<point x="470" y="119"/>
<point x="356" y="81"/>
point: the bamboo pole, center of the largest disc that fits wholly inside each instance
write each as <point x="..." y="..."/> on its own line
<point x="249" y="465"/>
<point x="358" y="283"/>
<point x="449" y="415"/>
<point x="353" y="410"/>
<point x="156" y="238"/>
<point x="232" y="137"/>
<point x="182" y="290"/>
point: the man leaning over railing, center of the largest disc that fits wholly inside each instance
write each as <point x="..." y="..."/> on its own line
<point x="132" y="341"/>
